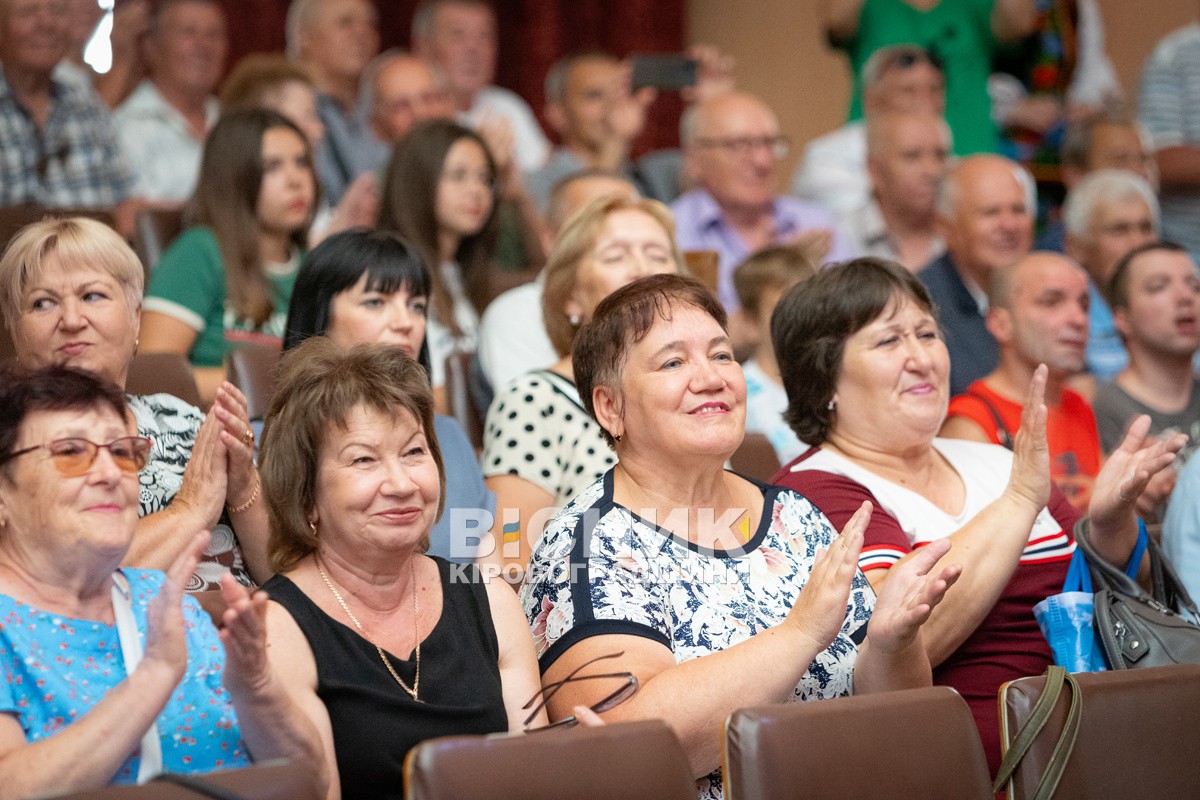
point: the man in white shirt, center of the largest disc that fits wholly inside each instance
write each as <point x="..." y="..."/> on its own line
<point x="833" y="172"/>
<point x="164" y="122"/>
<point x="459" y="37"/>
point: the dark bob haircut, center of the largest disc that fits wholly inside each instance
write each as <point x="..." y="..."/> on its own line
<point x="337" y="264"/>
<point x="50" y="389"/>
<point x="812" y="322"/>
<point x="623" y="319"/>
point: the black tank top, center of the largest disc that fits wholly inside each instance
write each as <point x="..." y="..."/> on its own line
<point x="375" y="722"/>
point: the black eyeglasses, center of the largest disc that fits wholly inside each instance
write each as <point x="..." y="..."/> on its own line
<point x="73" y="457"/>
<point x="627" y="690"/>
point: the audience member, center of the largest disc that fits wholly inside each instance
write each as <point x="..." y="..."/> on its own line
<point x="59" y="143"/>
<point x="363" y="286"/>
<point x="263" y="80"/>
<point x="129" y="21"/>
<point x="591" y="107"/>
<point x="1170" y="79"/>
<point x="512" y="335"/>
<point x="705" y="547"/>
<point x="986" y="209"/>
<point x="1155" y="297"/>
<point x="1107" y="214"/>
<point x="459" y="38"/>
<point x="866" y="375"/>
<point x="229" y="277"/>
<point x="901" y="79"/>
<point x="540" y="447"/>
<point x="907" y="159"/>
<point x="164" y="122"/>
<point x="439" y="194"/>
<point x="963" y="36"/>
<point x="71" y="290"/>
<point x="1181" y="527"/>
<point x="335" y="39"/>
<point x="732" y="147"/>
<point x="1037" y="312"/>
<point x="1096" y="142"/>
<point x="353" y="476"/>
<point x="83" y="704"/>
<point x="761" y="280"/>
<point x="399" y="90"/>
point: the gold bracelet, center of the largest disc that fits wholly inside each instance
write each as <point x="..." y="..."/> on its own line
<point x="251" y="501"/>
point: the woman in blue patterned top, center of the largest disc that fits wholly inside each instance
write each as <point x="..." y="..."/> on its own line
<point x="104" y="666"/>
<point x="712" y="585"/>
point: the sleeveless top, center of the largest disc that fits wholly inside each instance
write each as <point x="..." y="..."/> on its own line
<point x="375" y="722"/>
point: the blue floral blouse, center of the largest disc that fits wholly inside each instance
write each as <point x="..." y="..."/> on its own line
<point x="56" y="668"/>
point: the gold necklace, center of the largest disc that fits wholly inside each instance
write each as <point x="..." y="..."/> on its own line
<point x="382" y="655"/>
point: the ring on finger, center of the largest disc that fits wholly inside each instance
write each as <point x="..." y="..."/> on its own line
<point x="248" y="437"/>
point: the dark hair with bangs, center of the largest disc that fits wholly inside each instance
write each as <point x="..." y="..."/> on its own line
<point x="50" y="389"/>
<point x="812" y="322"/>
<point x="337" y="264"/>
<point x="623" y="319"/>
<point x="319" y="384"/>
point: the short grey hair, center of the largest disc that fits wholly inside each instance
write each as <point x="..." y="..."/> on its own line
<point x="1100" y="188"/>
<point x="425" y="17"/>
<point x="947" y="198"/>
<point x="884" y="59"/>
<point x="366" y="85"/>
<point x="300" y="15"/>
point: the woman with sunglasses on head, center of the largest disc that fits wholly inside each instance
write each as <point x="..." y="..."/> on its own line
<point x="721" y="592"/>
<point x="380" y="644"/>
<point x="71" y="292"/>
<point x="439" y="193"/>
<point x="105" y="666"/>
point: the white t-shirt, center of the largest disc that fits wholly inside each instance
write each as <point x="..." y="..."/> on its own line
<point x="512" y="335"/>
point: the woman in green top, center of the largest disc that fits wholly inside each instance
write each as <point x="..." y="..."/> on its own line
<point x="229" y="278"/>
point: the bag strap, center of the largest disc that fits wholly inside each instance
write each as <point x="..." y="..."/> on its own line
<point x="1002" y="432"/>
<point x="150" y="763"/>
<point x="1056" y="676"/>
<point x="1104" y="574"/>
<point x="1168" y="588"/>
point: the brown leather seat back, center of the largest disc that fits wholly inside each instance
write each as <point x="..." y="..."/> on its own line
<point x="271" y="780"/>
<point x="755" y="458"/>
<point x="920" y="743"/>
<point x="1139" y="734"/>
<point x="151" y="373"/>
<point x="631" y="760"/>
<point x="252" y="369"/>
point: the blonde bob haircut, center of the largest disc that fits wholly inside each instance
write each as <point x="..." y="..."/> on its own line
<point x="318" y="386"/>
<point x="574" y="244"/>
<point x="79" y="243"/>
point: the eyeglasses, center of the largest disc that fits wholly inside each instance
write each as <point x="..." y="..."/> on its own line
<point x="743" y="146"/>
<point x="906" y="58"/>
<point x="627" y="690"/>
<point x="74" y="457"/>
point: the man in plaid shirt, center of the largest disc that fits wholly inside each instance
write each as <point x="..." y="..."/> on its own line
<point x="58" y="146"/>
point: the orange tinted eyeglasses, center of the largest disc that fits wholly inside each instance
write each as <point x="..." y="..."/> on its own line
<point x="73" y="457"/>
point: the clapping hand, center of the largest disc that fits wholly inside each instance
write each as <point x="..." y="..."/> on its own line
<point x="1127" y="472"/>
<point x="820" y="609"/>
<point x="244" y="634"/>
<point x="166" y="637"/>
<point x="906" y="599"/>
<point x="1030" y="476"/>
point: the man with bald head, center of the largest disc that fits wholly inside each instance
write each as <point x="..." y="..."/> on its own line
<point x="907" y="158"/>
<point x="58" y="143"/>
<point x="1038" y="314"/>
<point x="401" y="90"/>
<point x="985" y="211"/>
<point x="731" y="151"/>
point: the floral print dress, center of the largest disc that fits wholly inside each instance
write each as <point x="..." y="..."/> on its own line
<point x="599" y="568"/>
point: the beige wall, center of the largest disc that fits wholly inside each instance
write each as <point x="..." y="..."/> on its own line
<point x="783" y="58"/>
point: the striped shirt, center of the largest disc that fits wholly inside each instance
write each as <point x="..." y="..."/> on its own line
<point x="1169" y="108"/>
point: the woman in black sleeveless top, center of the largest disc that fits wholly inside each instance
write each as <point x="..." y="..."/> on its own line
<point x="382" y="646"/>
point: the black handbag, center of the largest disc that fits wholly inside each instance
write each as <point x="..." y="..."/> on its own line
<point x="1137" y="629"/>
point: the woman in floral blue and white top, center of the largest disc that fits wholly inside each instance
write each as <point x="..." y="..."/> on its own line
<point x="712" y="585"/>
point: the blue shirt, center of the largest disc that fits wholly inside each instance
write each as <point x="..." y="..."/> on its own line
<point x="1105" y="355"/>
<point x="700" y="225"/>
<point x="973" y="351"/>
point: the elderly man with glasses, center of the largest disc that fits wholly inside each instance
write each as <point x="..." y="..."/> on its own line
<point x="731" y="150"/>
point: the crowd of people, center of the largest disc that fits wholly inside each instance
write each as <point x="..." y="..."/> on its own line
<point x="497" y="367"/>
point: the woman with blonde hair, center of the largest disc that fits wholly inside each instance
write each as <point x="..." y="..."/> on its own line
<point x="540" y="446"/>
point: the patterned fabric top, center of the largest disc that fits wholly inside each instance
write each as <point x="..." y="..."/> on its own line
<point x="74" y="161"/>
<point x="601" y="569"/>
<point x="53" y="669"/>
<point x="171" y="425"/>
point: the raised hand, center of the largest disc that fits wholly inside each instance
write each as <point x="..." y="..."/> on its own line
<point x="1030" y="476"/>
<point x="202" y="491"/>
<point x="1127" y="472"/>
<point x="237" y="435"/>
<point x="820" y="609"/>
<point x="909" y="595"/>
<point x="244" y="634"/>
<point x="166" y="638"/>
